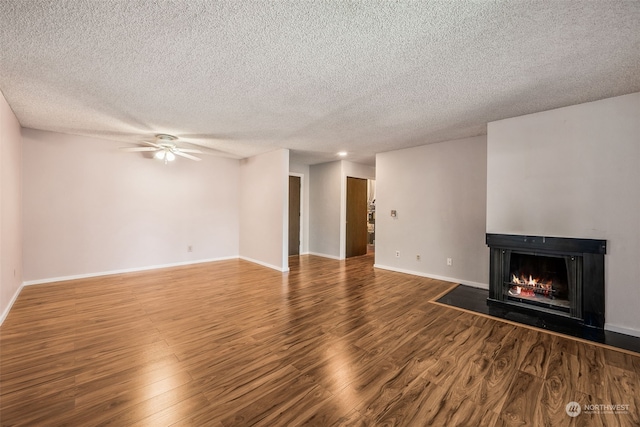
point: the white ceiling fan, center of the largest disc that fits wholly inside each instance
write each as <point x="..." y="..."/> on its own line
<point x="165" y="149"/>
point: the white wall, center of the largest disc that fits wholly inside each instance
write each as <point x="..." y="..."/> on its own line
<point x="575" y="172"/>
<point x="264" y="209"/>
<point x="10" y="208"/>
<point x="439" y="193"/>
<point x="357" y="170"/>
<point x="325" y="192"/>
<point x="303" y="171"/>
<point x="90" y="208"/>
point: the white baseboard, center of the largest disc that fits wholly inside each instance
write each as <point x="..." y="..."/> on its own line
<point x="264" y="264"/>
<point x="126" y="270"/>
<point x="608" y="326"/>
<point x="5" y="313"/>
<point x="324" y="255"/>
<point x="622" y="330"/>
<point x="434" y="276"/>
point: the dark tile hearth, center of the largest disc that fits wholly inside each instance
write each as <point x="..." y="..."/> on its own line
<point x="475" y="299"/>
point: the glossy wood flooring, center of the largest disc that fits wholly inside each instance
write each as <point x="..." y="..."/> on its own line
<point x="331" y="343"/>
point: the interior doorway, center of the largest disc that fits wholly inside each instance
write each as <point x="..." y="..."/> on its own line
<point x="357" y="224"/>
<point x="294" y="215"/>
<point x="371" y="215"/>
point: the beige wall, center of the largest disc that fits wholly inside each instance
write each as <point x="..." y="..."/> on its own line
<point x="324" y="209"/>
<point x="10" y="208"/>
<point x="575" y="172"/>
<point x="439" y="193"/>
<point x="264" y="209"/>
<point x="90" y="208"/>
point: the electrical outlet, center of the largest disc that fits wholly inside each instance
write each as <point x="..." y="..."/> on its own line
<point x="397" y="254"/>
<point x="189" y="248"/>
<point x="449" y="262"/>
<point x="417" y="257"/>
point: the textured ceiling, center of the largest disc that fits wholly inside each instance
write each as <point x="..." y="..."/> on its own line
<point x="247" y="77"/>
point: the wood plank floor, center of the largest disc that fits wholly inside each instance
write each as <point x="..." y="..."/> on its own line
<point x="331" y="343"/>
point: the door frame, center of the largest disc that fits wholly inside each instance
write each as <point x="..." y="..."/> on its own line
<point x="301" y="176"/>
<point x="364" y="217"/>
<point x="343" y="205"/>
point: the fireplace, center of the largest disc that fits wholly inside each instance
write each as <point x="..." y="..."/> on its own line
<point x="560" y="279"/>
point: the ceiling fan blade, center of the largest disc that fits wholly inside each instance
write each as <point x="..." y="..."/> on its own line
<point x="188" y="150"/>
<point x="152" y="144"/>
<point x="188" y="156"/>
<point x="134" y="149"/>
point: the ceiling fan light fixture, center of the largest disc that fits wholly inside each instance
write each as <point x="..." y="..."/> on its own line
<point x="164" y="137"/>
<point x="165" y="149"/>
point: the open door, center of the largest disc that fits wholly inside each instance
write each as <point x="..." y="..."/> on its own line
<point x="294" y="215"/>
<point x="356" y="232"/>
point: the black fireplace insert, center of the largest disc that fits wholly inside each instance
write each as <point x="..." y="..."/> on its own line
<point x="553" y="277"/>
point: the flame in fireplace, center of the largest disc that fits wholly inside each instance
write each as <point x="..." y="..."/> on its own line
<point x="529" y="286"/>
<point x="523" y="281"/>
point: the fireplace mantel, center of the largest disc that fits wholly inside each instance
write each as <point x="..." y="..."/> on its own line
<point x="549" y="244"/>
